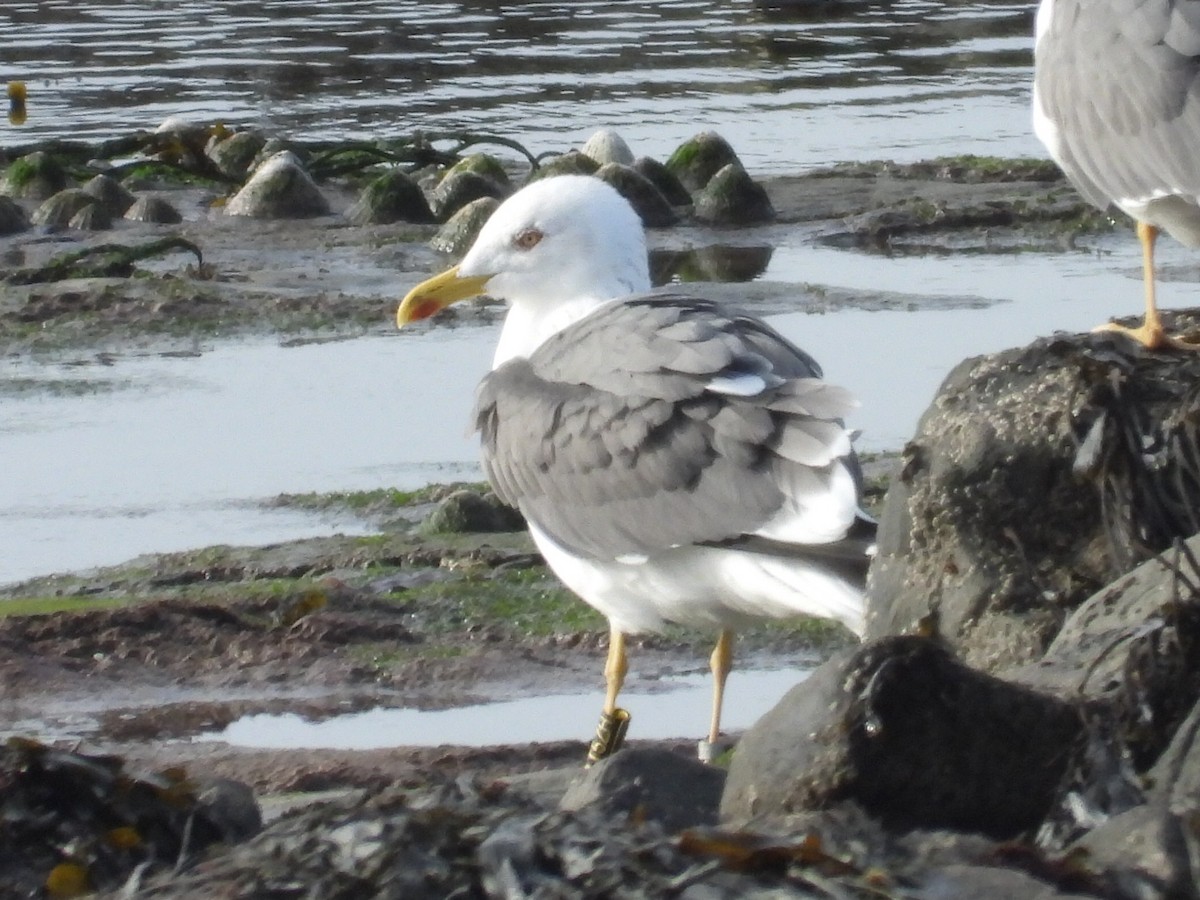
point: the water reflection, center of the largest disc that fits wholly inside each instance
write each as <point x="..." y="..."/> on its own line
<point x="543" y="72"/>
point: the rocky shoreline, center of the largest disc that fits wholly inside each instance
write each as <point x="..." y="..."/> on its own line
<point x="1019" y="739"/>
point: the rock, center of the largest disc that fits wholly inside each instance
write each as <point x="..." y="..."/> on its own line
<point x="459" y="233"/>
<point x="35" y="176"/>
<point x="990" y="531"/>
<point x="461" y="188"/>
<point x="234" y="155"/>
<point x="914" y="737"/>
<point x="697" y="160"/>
<point x="676" y="791"/>
<point x="663" y="179"/>
<point x="392" y="197"/>
<point x="713" y="262"/>
<point x="990" y="882"/>
<point x="570" y="163"/>
<point x="113" y="196"/>
<point x="154" y="209"/>
<point x="606" y="146"/>
<point x="92" y="217"/>
<point x="641" y="193"/>
<point x="1134" y="650"/>
<point x="481" y="164"/>
<point x="466" y="511"/>
<point x="1142" y="851"/>
<point x="280" y="188"/>
<point x="732" y="197"/>
<point x="58" y="211"/>
<point x="12" y="217"/>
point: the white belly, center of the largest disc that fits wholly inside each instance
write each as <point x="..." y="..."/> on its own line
<point x="703" y="587"/>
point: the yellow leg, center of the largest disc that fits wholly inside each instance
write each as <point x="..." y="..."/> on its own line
<point x="614" y="722"/>
<point x="721" y="662"/>
<point x="1150" y="334"/>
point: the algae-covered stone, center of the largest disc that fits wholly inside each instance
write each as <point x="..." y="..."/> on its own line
<point x="12" y="217"/>
<point x="732" y="197"/>
<point x="468" y="511"/>
<point x="481" y="164"/>
<point x="460" y="231"/>
<point x="697" y="160"/>
<point x="35" y="176"/>
<point x="392" y="197"/>
<point x="643" y="196"/>
<point x="570" y="163"/>
<point x="154" y="209"/>
<point x="234" y="155"/>
<point x="606" y="146"/>
<point x="663" y="179"/>
<point x="113" y="196"/>
<point x="461" y="188"/>
<point x="58" y="210"/>
<point x="279" y="189"/>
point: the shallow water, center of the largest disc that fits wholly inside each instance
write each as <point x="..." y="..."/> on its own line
<point x="157" y="453"/>
<point x="849" y="82"/>
<point x="672" y="707"/>
<point x="102" y="462"/>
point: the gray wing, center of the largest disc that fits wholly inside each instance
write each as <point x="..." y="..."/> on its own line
<point x="658" y="422"/>
<point x="1121" y="80"/>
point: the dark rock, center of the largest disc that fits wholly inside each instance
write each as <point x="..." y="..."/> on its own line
<point x="458" y="189"/>
<point x="912" y="735"/>
<point x="646" y="199"/>
<point x="467" y="511"/>
<point x="392" y="197"/>
<point x="676" y="791"/>
<point x="606" y="146"/>
<point x="59" y="209"/>
<point x="154" y="209"/>
<point x="113" y="196"/>
<point x="12" y="217"/>
<point x="732" y="197"/>
<point x="697" y="160"/>
<point x="663" y="179"/>
<point x="460" y="231"/>
<point x="1036" y="477"/>
<point x="280" y="188"/>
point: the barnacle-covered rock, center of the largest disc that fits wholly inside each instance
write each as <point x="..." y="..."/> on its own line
<point x="481" y="164"/>
<point x="641" y="193"/>
<point x="460" y="231"/>
<point x="663" y="179"/>
<point x="113" y="196"/>
<point x="234" y="154"/>
<point x="732" y="197"/>
<point x="58" y="210"/>
<point x="469" y="511"/>
<point x="697" y="160"/>
<point x="571" y="163"/>
<point x="154" y="209"/>
<point x="458" y="189"/>
<point x="35" y="176"/>
<point x="606" y="146"/>
<point x="392" y="197"/>
<point x="280" y="188"/>
<point x="92" y="217"/>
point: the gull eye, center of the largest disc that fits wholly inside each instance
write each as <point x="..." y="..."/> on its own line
<point x="528" y="239"/>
